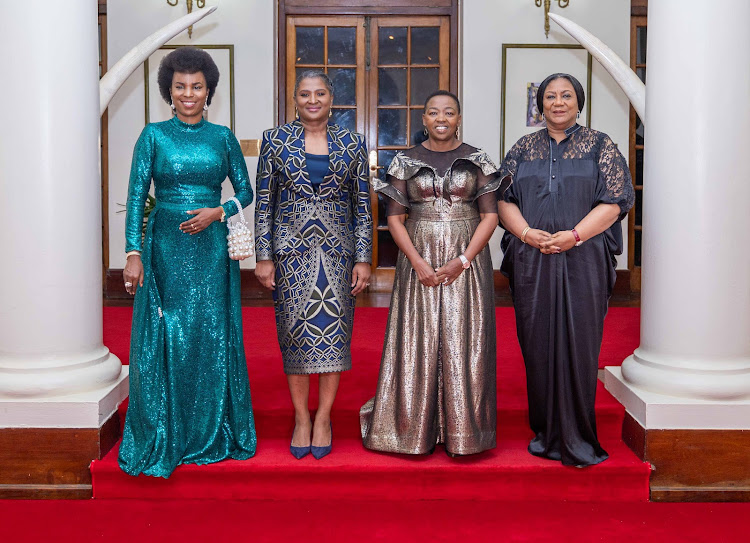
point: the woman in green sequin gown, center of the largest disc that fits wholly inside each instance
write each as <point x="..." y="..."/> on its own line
<point x="189" y="391"/>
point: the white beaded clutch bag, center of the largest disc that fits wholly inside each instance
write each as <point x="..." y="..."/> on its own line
<point x="240" y="243"/>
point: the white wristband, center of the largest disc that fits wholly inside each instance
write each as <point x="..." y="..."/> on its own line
<point x="464" y="262"/>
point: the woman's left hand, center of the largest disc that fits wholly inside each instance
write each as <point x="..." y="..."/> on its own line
<point x="449" y="272"/>
<point x="360" y="277"/>
<point x="202" y="220"/>
<point x="559" y="242"/>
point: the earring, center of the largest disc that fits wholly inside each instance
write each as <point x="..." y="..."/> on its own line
<point x="458" y="136"/>
<point x="171" y="104"/>
<point x="425" y="131"/>
<point x="330" y="113"/>
<point x="543" y="117"/>
<point x="205" y="104"/>
<point x="578" y="116"/>
<point x="296" y="112"/>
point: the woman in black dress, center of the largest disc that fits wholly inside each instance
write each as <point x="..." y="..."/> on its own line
<point x="570" y="189"/>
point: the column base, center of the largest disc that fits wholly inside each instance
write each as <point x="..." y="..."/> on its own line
<point x="47" y="444"/>
<point x="696" y="448"/>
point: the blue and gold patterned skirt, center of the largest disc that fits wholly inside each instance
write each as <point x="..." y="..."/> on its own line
<point x="313" y="301"/>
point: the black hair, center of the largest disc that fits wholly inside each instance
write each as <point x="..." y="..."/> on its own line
<point x="314" y="74"/>
<point x="580" y="95"/>
<point x="187" y="60"/>
<point x="442" y="92"/>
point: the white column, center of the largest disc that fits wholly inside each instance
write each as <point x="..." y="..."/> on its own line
<point x="695" y="299"/>
<point x="50" y="204"/>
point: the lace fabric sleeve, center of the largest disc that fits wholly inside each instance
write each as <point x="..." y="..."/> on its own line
<point x="507" y="174"/>
<point x="615" y="186"/>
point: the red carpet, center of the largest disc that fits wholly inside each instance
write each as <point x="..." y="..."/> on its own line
<point x="351" y="472"/>
<point x="310" y="520"/>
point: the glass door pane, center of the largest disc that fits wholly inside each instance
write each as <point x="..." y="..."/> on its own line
<point x="335" y="45"/>
<point x="382" y="69"/>
<point x="409" y="59"/>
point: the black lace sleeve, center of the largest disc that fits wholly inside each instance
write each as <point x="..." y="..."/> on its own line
<point x="616" y="186"/>
<point x="508" y="170"/>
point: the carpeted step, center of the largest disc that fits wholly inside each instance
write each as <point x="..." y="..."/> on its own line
<point x="512" y="422"/>
<point x="353" y="473"/>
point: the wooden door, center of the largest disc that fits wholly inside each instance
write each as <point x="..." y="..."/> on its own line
<point x="638" y="33"/>
<point x="383" y="67"/>
<point x="335" y="45"/>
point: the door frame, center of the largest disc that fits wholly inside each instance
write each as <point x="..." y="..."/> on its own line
<point x="382" y="278"/>
<point x="286" y="8"/>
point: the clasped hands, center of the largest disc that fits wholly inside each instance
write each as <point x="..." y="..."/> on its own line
<point x="444" y="275"/>
<point x="202" y="219"/>
<point x="550" y="244"/>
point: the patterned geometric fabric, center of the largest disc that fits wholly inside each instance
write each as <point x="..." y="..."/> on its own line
<point x="314" y="238"/>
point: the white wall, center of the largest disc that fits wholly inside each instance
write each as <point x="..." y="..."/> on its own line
<point x="247" y="24"/>
<point x="488" y="24"/>
<point x="250" y="26"/>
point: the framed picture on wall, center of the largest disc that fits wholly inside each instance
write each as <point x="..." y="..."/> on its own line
<point x="221" y="110"/>
<point x="524" y="67"/>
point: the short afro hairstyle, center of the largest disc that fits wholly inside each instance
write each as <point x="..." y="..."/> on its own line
<point x="187" y="60"/>
<point x="580" y="95"/>
<point x="442" y="92"/>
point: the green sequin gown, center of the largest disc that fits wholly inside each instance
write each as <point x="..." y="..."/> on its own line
<point x="189" y="390"/>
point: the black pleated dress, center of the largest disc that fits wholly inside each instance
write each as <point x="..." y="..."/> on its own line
<point x="561" y="300"/>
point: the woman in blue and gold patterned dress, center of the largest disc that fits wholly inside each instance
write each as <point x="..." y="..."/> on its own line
<point x="189" y="391"/>
<point x="313" y="235"/>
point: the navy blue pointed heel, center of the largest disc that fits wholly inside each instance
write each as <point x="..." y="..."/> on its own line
<point x="320" y="452"/>
<point x="299" y="452"/>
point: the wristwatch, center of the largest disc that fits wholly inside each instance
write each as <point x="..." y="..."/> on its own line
<point x="465" y="262"/>
<point x="578" y="238"/>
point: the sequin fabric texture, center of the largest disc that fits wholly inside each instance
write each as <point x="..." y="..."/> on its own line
<point x="314" y="235"/>
<point x="189" y="390"/>
<point x="561" y="299"/>
<point x="437" y="372"/>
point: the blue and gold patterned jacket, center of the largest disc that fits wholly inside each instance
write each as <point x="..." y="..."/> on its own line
<point x="286" y="200"/>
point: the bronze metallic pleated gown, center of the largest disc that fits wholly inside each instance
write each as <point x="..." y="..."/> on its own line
<point x="437" y="374"/>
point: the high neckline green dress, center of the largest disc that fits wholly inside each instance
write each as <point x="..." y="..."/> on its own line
<point x="189" y="390"/>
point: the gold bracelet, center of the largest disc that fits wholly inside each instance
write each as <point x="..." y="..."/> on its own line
<point x="223" y="214"/>
<point x="523" y="234"/>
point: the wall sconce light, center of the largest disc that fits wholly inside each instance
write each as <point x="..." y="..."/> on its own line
<point x="547" y="3"/>
<point x="201" y="4"/>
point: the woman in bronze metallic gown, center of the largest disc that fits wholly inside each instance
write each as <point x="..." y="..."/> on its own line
<point x="437" y="373"/>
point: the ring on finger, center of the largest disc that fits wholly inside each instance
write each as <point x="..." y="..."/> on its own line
<point x="128" y="284"/>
